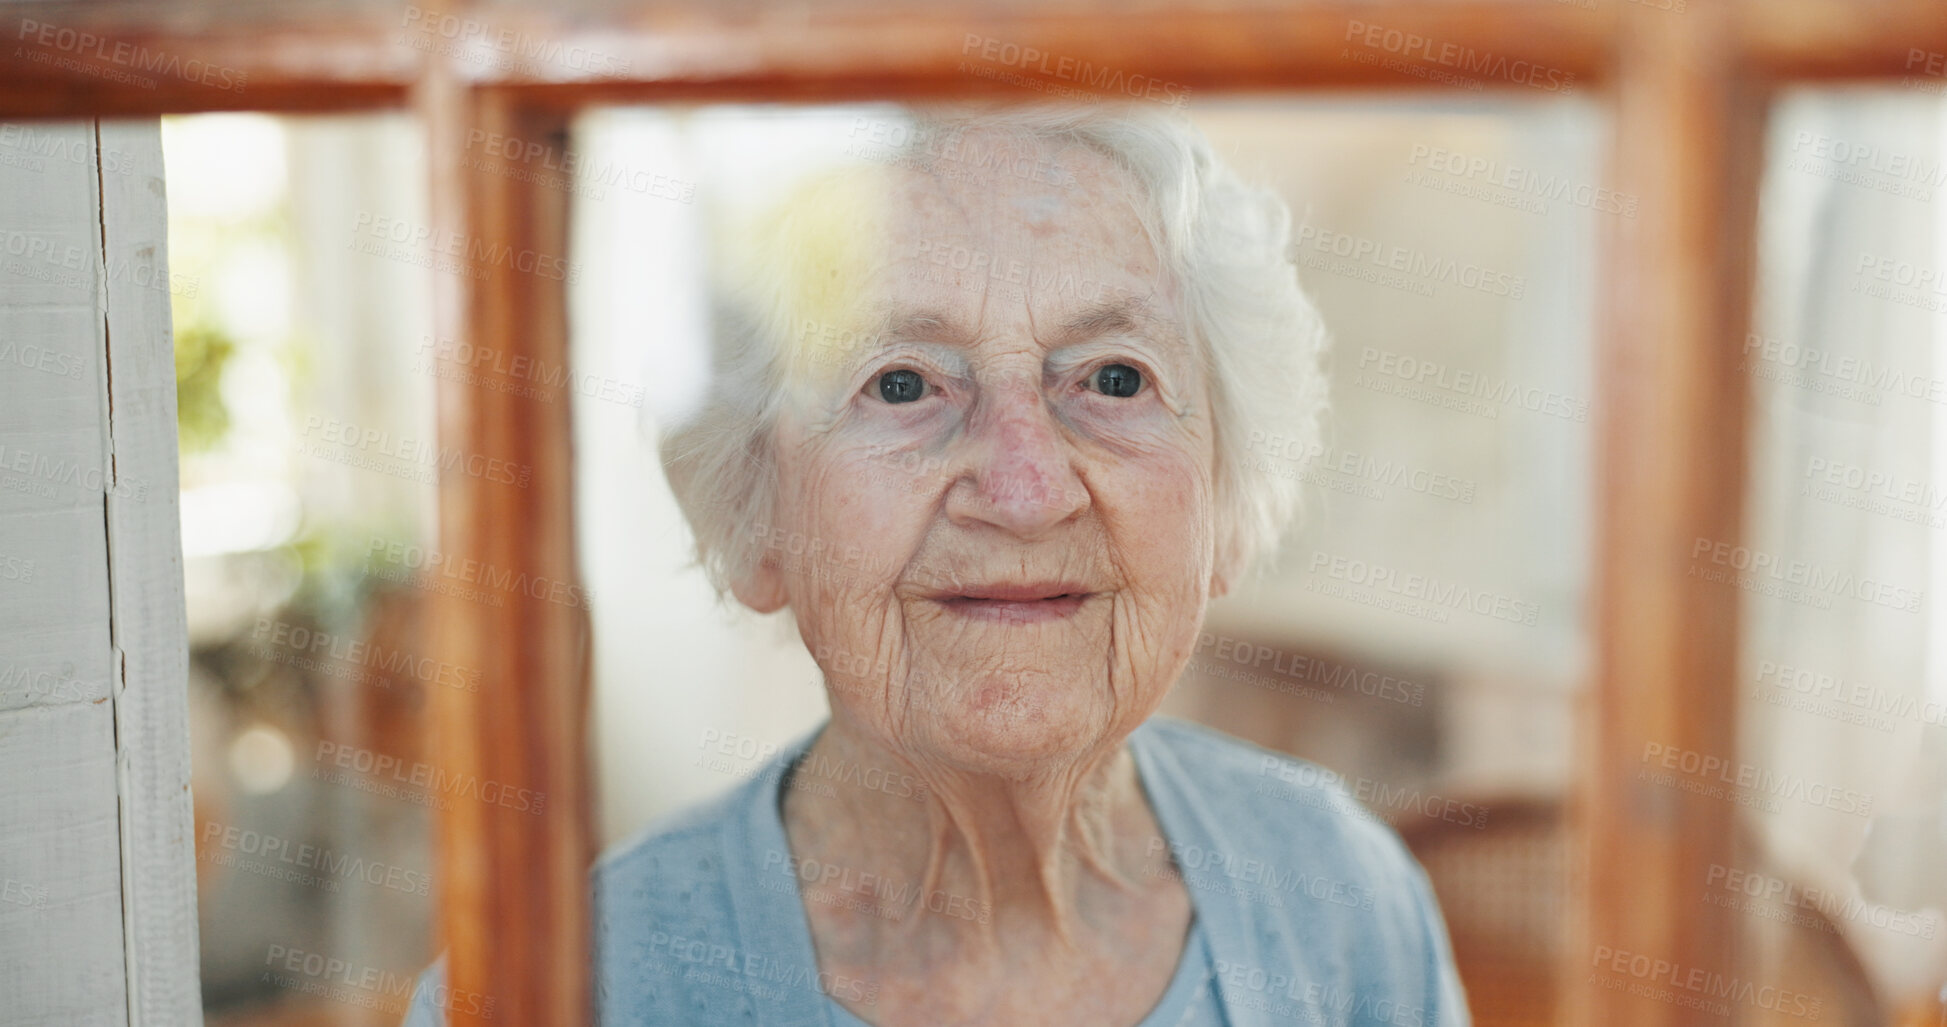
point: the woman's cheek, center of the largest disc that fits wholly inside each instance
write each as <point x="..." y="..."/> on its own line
<point x="1159" y="508"/>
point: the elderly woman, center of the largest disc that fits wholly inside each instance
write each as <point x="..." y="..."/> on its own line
<point x="980" y="421"/>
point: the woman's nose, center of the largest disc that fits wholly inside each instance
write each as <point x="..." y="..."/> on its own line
<point x="1018" y="472"/>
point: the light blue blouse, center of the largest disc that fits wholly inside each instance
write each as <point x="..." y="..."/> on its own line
<point x="1308" y="910"/>
<point x="1190" y="1000"/>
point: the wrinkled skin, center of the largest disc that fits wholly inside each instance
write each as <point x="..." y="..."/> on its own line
<point x="1028" y="888"/>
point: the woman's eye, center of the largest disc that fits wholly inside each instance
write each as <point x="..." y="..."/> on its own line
<point x="1118" y="380"/>
<point x="901" y="386"/>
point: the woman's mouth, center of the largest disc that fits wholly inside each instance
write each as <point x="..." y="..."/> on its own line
<point x="1031" y="604"/>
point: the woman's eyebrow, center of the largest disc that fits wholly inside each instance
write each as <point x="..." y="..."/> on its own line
<point x="924" y="325"/>
<point x="1118" y="317"/>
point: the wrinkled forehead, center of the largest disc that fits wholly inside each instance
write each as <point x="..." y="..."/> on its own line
<point x="1015" y="186"/>
<point x="989" y="198"/>
<point x="992" y="225"/>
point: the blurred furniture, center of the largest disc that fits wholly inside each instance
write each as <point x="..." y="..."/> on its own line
<point x="1504" y="889"/>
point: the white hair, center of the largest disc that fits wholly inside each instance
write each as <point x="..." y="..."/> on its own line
<point x="1225" y="243"/>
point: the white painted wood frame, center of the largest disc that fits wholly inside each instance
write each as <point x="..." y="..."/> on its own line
<point x="97" y="857"/>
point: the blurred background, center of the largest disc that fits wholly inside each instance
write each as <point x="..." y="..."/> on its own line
<point x="1458" y="448"/>
<point x="306" y="398"/>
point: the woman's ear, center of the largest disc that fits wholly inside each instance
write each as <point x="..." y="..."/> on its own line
<point x="1219" y="584"/>
<point x="761" y="588"/>
<point x="1225" y="569"/>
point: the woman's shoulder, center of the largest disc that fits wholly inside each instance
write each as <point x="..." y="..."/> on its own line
<point x="679" y="870"/>
<point x="1238" y="768"/>
<point x="1263" y="804"/>
<point x="683" y="843"/>
<point x="672" y="908"/>
<point x="691" y="843"/>
<point x="1262" y="838"/>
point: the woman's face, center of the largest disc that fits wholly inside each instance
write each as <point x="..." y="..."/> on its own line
<point x="994" y="519"/>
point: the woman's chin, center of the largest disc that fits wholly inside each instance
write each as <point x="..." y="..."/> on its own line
<point x="1014" y="732"/>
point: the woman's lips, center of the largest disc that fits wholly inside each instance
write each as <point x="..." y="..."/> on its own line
<point x="1016" y="604"/>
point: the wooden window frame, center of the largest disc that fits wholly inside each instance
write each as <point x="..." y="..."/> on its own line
<point x="1686" y="91"/>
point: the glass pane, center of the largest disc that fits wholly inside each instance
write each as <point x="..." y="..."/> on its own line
<point x="308" y="461"/>
<point x="1843" y="727"/>
<point x="1419" y="637"/>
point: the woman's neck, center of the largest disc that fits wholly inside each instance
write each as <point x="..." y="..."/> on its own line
<point x="1045" y="898"/>
<point x="910" y="847"/>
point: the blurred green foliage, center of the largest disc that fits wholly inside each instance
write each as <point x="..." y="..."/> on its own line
<point x="201" y="417"/>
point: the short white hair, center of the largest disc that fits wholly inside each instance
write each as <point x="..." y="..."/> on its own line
<point x="1224" y="242"/>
